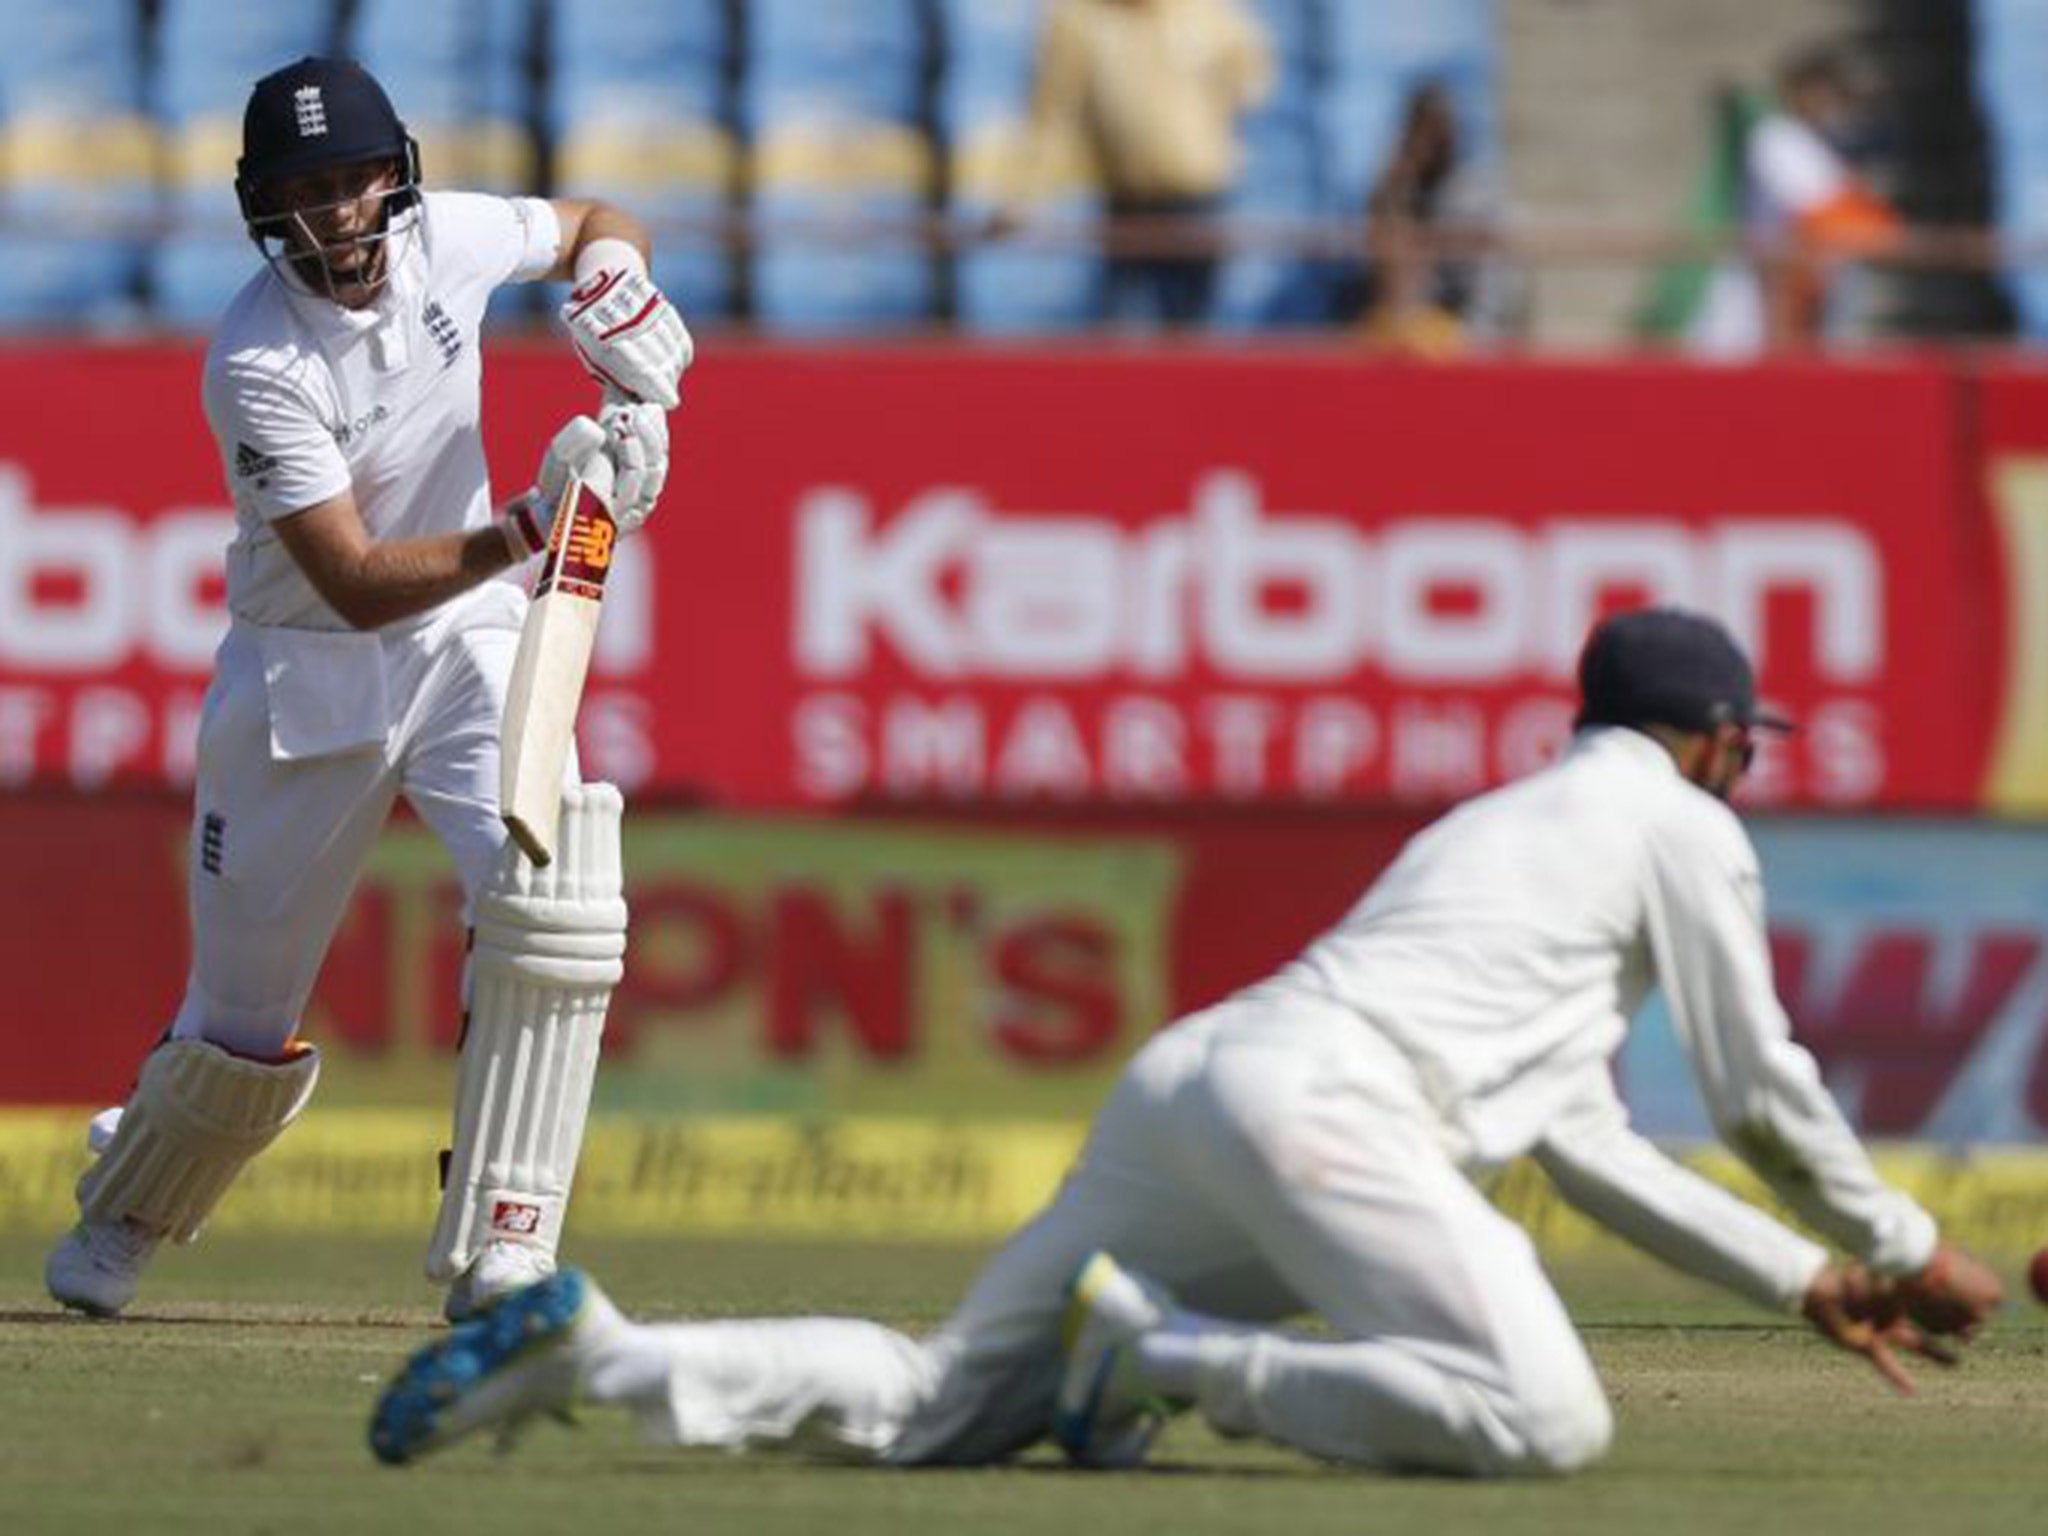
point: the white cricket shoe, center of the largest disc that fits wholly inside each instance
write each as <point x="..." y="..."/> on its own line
<point x="98" y="1265"/>
<point x="99" y="1131"/>
<point x="498" y="1270"/>
<point x="1104" y="1415"/>
<point x="513" y="1360"/>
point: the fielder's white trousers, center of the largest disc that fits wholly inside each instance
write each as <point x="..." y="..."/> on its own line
<point x="278" y="844"/>
<point x="1267" y="1157"/>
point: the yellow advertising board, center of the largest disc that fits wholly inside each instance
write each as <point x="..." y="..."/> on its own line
<point x="864" y="1178"/>
<point x="2017" y="783"/>
<point x="799" y="965"/>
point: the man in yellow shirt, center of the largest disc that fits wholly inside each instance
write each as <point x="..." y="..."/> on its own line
<point x="1151" y="92"/>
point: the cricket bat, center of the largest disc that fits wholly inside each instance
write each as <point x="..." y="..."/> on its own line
<point x="549" y="671"/>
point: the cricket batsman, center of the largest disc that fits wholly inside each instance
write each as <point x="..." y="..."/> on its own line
<point x="376" y="609"/>
<point x="1309" y="1146"/>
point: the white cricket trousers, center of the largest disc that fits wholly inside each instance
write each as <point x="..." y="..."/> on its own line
<point x="278" y="845"/>
<point x="1267" y="1157"/>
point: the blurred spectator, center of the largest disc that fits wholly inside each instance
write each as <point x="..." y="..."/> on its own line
<point x="1807" y="210"/>
<point x="1415" y="297"/>
<point x="1154" y="91"/>
<point x="1673" y="301"/>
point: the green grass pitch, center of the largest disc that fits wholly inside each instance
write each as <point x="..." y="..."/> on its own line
<point x="235" y="1402"/>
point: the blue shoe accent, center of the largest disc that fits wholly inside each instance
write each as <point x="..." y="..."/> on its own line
<point x="411" y="1416"/>
<point x="1103" y="1414"/>
<point x="1074" y="1430"/>
<point x="1073" y="1424"/>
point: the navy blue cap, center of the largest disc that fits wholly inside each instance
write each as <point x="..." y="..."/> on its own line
<point x="1667" y="666"/>
<point x="314" y="114"/>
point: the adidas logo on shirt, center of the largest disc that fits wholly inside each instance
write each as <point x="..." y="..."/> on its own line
<point x="213" y="838"/>
<point x="249" y="463"/>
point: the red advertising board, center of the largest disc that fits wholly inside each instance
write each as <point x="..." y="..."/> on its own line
<point x="988" y="967"/>
<point x="775" y="962"/>
<point x="1127" y="577"/>
<point x="1130" y="577"/>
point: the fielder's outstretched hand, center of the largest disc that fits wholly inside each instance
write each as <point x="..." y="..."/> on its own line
<point x="1954" y="1296"/>
<point x="1869" y="1315"/>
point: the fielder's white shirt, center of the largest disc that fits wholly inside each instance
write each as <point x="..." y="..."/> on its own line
<point x="1503" y="953"/>
<point x="307" y="399"/>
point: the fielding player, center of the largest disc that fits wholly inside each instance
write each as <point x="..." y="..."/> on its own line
<point x="1305" y="1147"/>
<point x="376" y="612"/>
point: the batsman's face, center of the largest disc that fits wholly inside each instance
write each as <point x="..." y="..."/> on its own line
<point x="1727" y="757"/>
<point x="333" y="224"/>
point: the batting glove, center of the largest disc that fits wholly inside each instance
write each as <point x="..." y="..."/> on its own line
<point x="636" y="438"/>
<point x="628" y="336"/>
<point x="579" y="450"/>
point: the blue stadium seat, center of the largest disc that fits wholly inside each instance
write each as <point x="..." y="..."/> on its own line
<point x="987" y="49"/>
<point x="1375" y="57"/>
<point x="641" y="112"/>
<point x="833" y="61"/>
<point x="1295" y="32"/>
<point x="77" y="158"/>
<point x="826" y="261"/>
<point x="833" y="102"/>
<point x="1283" y="181"/>
<point x="209" y="54"/>
<point x="2011" y="62"/>
<point x="459" y="73"/>
<point x="989" y="52"/>
<point x="672" y="59"/>
<point x="1415" y="35"/>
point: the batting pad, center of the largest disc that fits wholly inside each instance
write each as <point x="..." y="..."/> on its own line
<point x="550" y="946"/>
<point x="197" y="1115"/>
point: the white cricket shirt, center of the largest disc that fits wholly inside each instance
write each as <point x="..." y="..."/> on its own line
<point x="1503" y="953"/>
<point x="307" y="399"/>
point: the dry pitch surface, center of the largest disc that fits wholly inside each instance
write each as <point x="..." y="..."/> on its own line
<point x="234" y="1402"/>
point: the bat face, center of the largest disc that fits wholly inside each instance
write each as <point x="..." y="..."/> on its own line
<point x="552" y="665"/>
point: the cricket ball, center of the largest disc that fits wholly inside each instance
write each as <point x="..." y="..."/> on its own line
<point x="2037" y="1276"/>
